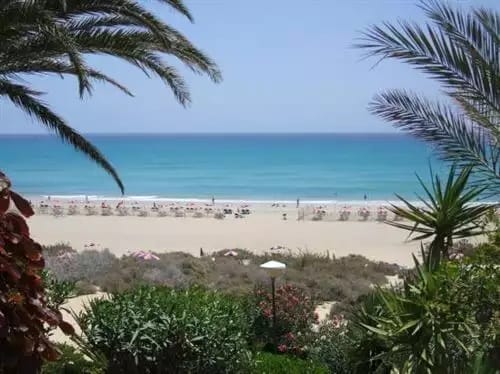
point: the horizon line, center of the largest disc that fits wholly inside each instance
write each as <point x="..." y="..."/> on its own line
<point x="216" y="133"/>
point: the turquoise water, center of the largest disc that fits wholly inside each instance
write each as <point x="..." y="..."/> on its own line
<point x="246" y="167"/>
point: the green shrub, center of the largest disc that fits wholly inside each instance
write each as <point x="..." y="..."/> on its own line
<point x="331" y="348"/>
<point x="56" y="291"/>
<point x="441" y="322"/>
<point x="159" y="330"/>
<point x="486" y="253"/>
<point x="267" y="363"/>
<point x="71" y="362"/>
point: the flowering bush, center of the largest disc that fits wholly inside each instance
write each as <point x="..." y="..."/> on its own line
<point x="24" y="311"/>
<point x="330" y="346"/>
<point x="295" y="317"/>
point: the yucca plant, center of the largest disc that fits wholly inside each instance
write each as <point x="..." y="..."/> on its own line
<point x="461" y="51"/>
<point x="53" y="37"/>
<point x="431" y="324"/>
<point x="447" y="212"/>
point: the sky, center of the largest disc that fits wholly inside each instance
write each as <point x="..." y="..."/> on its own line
<point x="288" y="66"/>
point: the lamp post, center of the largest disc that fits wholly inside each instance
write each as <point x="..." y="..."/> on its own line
<point x="273" y="269"/>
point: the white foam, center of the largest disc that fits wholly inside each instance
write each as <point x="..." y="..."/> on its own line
<point x="155" y="198"/>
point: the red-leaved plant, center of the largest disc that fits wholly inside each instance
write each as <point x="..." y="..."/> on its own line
<point x="25" y="318"/>
<point x="295" y="317"/>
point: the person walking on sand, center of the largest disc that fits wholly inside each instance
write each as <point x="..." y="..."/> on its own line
<point x="213" y="200"/>
<point x="298" y="202"/>
<point x="365" y="197"/>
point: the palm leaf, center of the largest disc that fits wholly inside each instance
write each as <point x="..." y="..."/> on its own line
<point x="27" y="100"/>
<point x="57" y="36"/>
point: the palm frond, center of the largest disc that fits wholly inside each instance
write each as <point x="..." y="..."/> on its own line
<point x="453" y="137"/>
<point x="27" y="100"/>
<point x="467" y="30"/>
<point x="57" y="36"/>
<point x="461" y="51"/>
<point x="432" y="51"/>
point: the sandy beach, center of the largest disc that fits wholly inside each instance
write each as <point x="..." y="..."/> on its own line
<point x="259" y="231"/>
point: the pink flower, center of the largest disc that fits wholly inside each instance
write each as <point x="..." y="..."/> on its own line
<point x="282" y="348"/>
<point x="267" y="313"/>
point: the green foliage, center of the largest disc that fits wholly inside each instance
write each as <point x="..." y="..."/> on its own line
<point x="267" y="363"/>
<point x="71" y="362"/>
<point x="443" y="322"/>
<point x="159" y="330"/>
<point x="56" y="291"/>
<point x="331" y="348"/>
<point x="447" y="214"/>
<point x="460" y="50"/>
<point x="486" y="253"/>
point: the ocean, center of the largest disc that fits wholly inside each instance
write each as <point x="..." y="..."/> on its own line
<point x="250" y="167"/>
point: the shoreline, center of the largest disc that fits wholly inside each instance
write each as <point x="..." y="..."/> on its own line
<point x="148" y="200"/>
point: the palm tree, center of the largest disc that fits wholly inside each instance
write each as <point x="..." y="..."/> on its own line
<point x="461" y="51"/>
<point x="56" y="37"/>
<point x="446" y="214"/>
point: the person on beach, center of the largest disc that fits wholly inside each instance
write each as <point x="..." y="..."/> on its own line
<point x="298" y="202"/>
<point x="365" y="197"/>
<point x="213" y="200"/>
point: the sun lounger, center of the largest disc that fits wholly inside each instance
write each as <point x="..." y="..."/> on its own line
<point x="106" y="211"/>
<point x="57" y="211"/>
<point x="73" y="210"/>
<point x="122" y="210"/>
<point x="344" y="215"/>
<point x="317" y="217"/>
<point x="43" y="209"/>
<point x="162" y="213"/>
<point x="381" y="215"/>
<point x="364" y="214"/>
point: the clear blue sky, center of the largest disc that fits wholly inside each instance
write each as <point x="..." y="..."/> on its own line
<point x="288" y="66"/>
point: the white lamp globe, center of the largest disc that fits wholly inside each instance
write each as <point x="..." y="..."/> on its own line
<point x="273" y="268"/>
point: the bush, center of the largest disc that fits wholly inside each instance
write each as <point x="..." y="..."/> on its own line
<point x="438" y="322"/>
<point x="57" y="292"/>
<point x="87" y="265"/>
<point x="267" y="363"/>
<point x="294" y="319"/>
<point x="486" y="253"/>
<point x="331" y="348"/>
<point x="159" y="330"/>
<point x="25" y="314"/>
<point x="325" y="278"/>
<point x="71" y="362"/>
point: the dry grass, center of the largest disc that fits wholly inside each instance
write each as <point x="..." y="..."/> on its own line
<point x="325" y="278"/>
